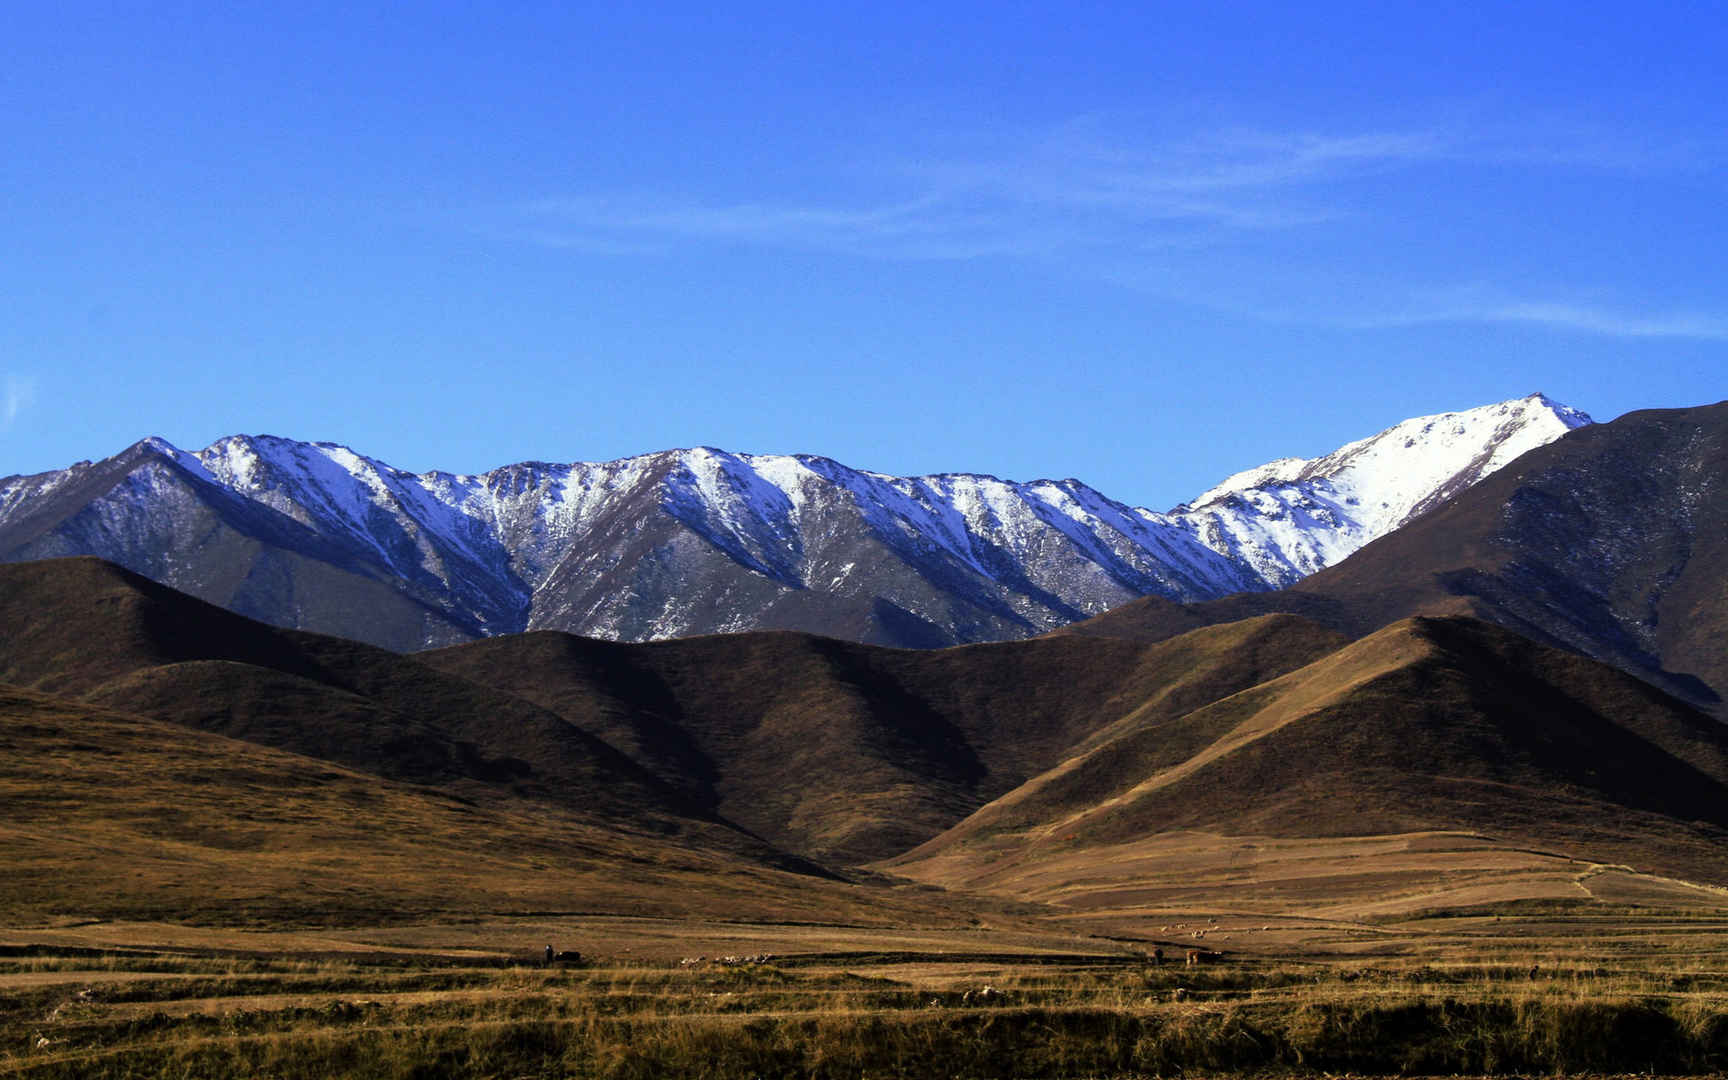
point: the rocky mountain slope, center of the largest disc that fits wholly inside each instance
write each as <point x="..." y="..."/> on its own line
<point x="1611" y="542"/>
<point x="682" y="542"/>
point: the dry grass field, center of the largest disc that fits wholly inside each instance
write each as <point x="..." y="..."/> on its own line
<point x="1407" y="955"/>
<point x="1529" y="993"/>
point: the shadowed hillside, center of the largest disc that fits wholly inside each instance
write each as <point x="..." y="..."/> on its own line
<point x="1611" y="542"/>
<point x="852" y="752"/>
<point x="83" y="628"/>
<point x="115" y="816"/>
<point x="1428" y="724"/>
<point x="826" y="749"/>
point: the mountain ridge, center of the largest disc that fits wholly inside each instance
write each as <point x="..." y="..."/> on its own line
<point x="1428" y="724"/>
<point x="1609" y="543"/>
<point x="678" y="542"/>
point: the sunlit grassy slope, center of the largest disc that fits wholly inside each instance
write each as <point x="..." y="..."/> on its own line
<point x="1428" y="725"/>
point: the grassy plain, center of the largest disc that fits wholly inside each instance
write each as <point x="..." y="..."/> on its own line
<point x="1616" y="988"/>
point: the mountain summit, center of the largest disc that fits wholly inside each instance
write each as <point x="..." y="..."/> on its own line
<point x="317" y="536"/>
<point x="1293" y="517"/>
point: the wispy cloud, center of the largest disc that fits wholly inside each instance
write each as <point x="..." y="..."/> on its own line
<point x="1579" y="318"/>
<point x="1360" y="302"/>
<point x="1268" y="224"/>
<point x="20" y="395"/>
<point x="1070" y="190"/>
<point x="1080" y="185"/>
<point x="925" y="228"/>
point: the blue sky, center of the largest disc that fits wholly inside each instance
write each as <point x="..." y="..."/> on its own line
<point x="1143" y="248"/>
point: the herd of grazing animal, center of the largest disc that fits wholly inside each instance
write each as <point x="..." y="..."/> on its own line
<point x="726" y="961"/>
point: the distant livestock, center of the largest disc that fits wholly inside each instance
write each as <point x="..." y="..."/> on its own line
<point x="727" y="961"/>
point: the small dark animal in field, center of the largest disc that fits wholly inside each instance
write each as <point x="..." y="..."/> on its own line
<point x="1157" y="957"/>
<point x="570" y="956"/>
<point x="1534" y="969"/>
<point x="1181" y="993"/>
<point x="549" y="955"/>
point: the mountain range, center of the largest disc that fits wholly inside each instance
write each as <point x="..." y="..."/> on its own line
<point x="315" y="536"/>
<point x="1526" y="669"/>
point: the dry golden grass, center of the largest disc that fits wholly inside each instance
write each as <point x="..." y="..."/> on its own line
<point x="1272" y="895"/>
<point x="265" y="1013"/>
<point x="113" y="816"/>
<point x="1426" y="726"/>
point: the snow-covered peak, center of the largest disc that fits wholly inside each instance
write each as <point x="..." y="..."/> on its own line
<point x="1572" y="418"/>
<point x="1402" y="466"/>
<point x="699" y="539"/>
<point x="1294" y="516"/>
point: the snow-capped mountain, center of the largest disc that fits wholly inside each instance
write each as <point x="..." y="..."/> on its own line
<point x="1292" y="517"/>
<point x="316" y="536"/>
